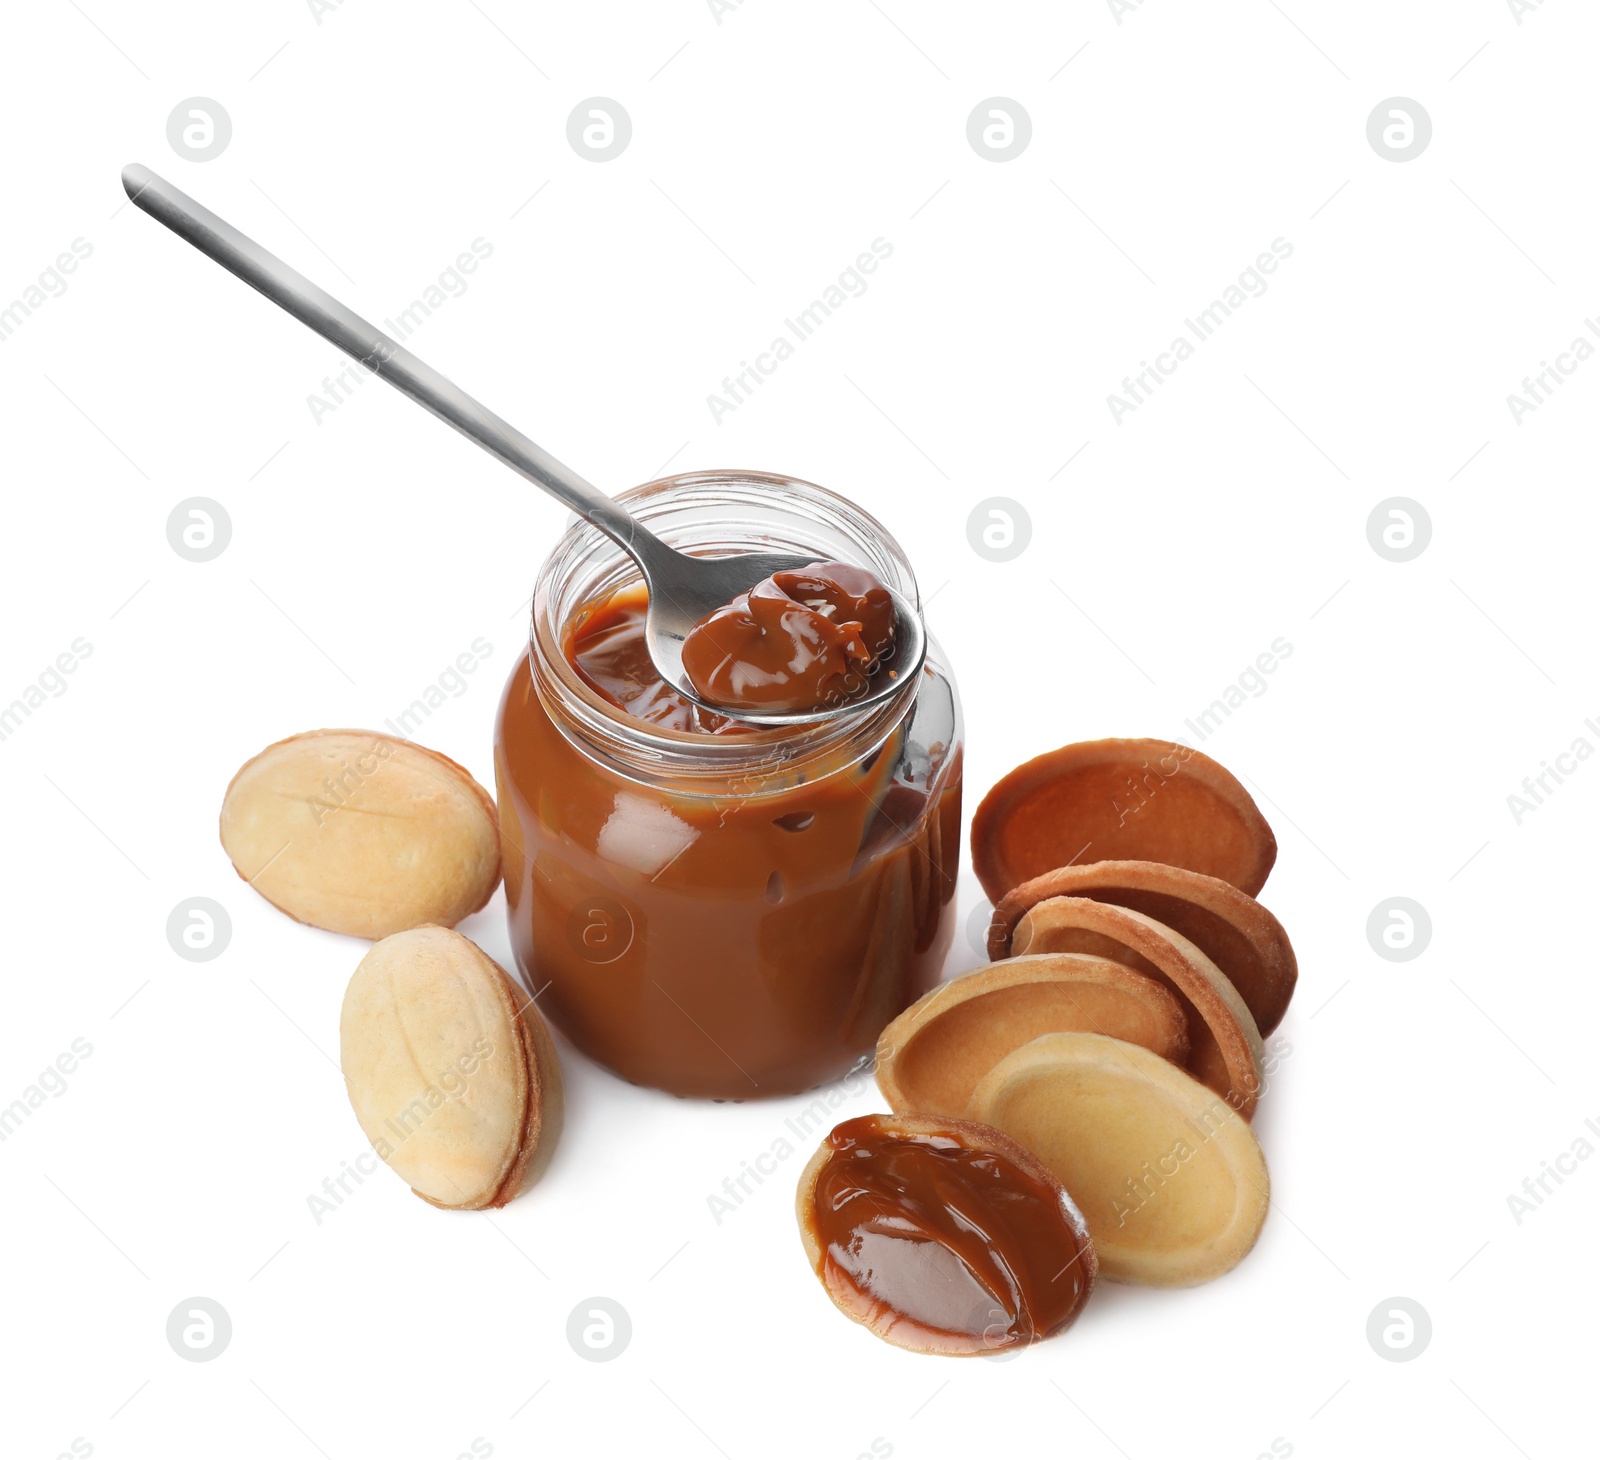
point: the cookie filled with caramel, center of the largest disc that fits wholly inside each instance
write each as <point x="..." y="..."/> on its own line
<point x="943" y="1236"/>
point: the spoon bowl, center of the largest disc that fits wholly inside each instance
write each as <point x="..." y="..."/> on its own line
<point x="683" y="588"/>
<point x="679" y="602"/>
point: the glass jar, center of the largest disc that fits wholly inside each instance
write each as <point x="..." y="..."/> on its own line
<point x="724" y="915"/>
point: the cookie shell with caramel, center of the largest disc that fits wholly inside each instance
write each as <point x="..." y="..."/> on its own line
<point x="987" y="1253"/>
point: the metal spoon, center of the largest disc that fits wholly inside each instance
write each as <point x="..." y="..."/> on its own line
<point x="683" y="589"/>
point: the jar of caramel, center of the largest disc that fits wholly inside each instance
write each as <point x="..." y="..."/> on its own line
<point x="700" y="905"/>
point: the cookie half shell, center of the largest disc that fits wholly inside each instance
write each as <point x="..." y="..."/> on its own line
<point x="1172" y="1183"/>
<point x="932" y="1056"/>
<point x="1123" y="800"/>
<point x="1230" y="927"/>
<point x="1225" y="1051"/>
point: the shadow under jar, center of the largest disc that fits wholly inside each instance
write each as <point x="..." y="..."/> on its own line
<point x="708" y="908"/>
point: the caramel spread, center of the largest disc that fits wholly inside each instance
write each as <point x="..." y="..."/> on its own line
<point x="795" y="642"/>
<point x="607" y="646"/>
<point x="945" y="1236"/>
<point x="748" y="941"/>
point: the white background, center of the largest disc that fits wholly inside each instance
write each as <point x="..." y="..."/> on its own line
<point x="370" y="549"/>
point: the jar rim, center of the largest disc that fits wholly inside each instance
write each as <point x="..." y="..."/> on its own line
<point x="715" y="511"/>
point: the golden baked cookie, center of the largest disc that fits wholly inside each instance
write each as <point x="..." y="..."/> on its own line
<point x="451" y="1071"/>
<point x="361" y="833"/>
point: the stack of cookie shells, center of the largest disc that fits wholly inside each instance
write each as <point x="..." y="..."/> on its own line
<point x="1117" y="1033"/>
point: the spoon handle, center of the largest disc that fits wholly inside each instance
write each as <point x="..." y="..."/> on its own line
<point x="292" y="292"/>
